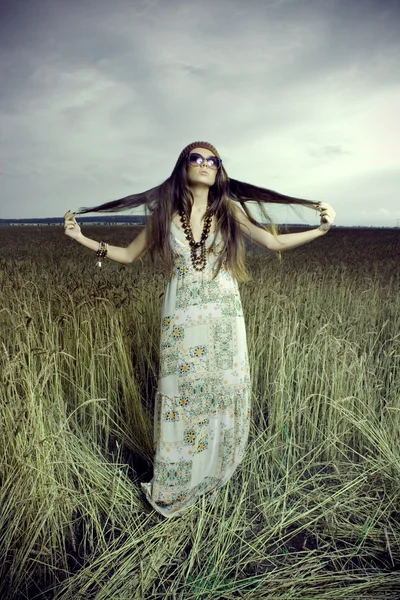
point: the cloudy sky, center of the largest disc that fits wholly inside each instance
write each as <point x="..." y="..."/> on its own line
<point x="99" y="97"/>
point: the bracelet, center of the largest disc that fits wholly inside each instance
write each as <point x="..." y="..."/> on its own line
<point x="101" y="252"/>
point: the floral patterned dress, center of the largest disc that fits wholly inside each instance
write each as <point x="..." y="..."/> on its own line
<point x="202" y="405"/>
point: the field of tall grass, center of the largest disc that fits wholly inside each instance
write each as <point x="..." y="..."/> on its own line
<point x="313" y="510"/>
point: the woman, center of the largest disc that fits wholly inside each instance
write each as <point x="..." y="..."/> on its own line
<point x="202" y="405"/>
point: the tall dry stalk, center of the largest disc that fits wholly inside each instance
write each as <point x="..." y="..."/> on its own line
<point x="312" y="510"/>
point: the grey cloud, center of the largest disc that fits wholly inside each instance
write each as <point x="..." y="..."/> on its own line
<point x="101" y="97"/>
<point x="328" y="151"/>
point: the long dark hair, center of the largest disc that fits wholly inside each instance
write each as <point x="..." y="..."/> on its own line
<point x="174" y="194"/>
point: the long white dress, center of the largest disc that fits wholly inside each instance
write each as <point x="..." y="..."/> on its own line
<point x="202" y="404"/>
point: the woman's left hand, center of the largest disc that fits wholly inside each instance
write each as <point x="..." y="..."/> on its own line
<point x="327" y="215"/>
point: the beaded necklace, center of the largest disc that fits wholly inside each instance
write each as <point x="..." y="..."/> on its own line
<point x="197" y="249"/>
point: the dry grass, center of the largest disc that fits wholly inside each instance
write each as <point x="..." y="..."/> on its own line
<point x="312" y="512"/>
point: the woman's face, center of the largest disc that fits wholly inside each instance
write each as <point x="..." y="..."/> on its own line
<point x="201" y="173"/>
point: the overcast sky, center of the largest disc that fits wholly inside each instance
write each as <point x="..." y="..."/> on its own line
<point x="99" y="97"/>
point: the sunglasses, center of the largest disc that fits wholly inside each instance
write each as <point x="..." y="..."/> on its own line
<point x="197" y="160"/>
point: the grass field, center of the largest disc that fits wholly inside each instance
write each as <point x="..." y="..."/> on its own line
<point x="313" y="510"/>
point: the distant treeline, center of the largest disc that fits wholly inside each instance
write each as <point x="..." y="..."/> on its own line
<point x="141" y="220"/>
<point x="97" y="220"/>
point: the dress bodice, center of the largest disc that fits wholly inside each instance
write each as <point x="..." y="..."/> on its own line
<point x="182" y="253"/>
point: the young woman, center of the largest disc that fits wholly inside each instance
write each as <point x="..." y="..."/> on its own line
<point x="196" y="221"/>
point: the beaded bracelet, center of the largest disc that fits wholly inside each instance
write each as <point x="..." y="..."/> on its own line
<point x="101" y="252"/>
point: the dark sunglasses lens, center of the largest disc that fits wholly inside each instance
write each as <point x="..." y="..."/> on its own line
<point x="213" y="162"/>
<point x="195" y="159"/>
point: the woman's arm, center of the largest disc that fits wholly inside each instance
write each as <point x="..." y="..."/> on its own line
<point x="116" y="253"/>
<point x="286" y="240"/>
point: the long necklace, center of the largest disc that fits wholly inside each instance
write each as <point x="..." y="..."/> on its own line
<point x="197" y="249"/>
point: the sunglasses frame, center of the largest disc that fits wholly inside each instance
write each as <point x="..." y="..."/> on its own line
<point x="205" y="159"/>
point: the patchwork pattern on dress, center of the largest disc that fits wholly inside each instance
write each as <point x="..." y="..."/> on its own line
<point x="203" y="409"/>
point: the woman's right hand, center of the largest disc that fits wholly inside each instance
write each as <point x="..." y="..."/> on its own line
<point x="71" y="227"/>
